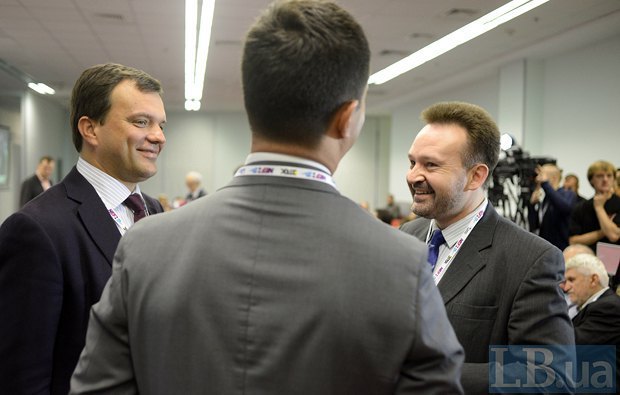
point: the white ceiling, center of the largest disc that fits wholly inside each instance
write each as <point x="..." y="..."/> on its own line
<point x="54" y="40"/>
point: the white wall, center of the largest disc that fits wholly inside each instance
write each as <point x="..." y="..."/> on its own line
<point x="216" y="144"/>
<point x="582" y="106"/>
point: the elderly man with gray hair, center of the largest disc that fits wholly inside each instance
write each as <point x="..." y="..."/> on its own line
<point x="598" y="320"/>
<point x="193" y="179"/>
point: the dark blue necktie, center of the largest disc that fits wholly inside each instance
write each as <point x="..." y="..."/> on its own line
<point x="433" y="247"/>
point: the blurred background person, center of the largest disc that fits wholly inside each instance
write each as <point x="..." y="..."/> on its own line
<point x="597" y="219"/>
<point x="165" y="202"/>
<point x="193" y="180"/>
<point x="550" y="206"/>
<point x="598" y="320"/>
<point x="39" y="182"/>
<point x="568" y="253"/>
<point x="571" y="182"/>
<point x="618" y="182"/>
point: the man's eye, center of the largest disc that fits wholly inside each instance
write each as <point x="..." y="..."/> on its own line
<point x="411" y="164"/>
<point x="141" y="122"/>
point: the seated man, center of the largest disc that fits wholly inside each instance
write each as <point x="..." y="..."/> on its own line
<point x="598" y="320"/>
<point x="569" y="252"/>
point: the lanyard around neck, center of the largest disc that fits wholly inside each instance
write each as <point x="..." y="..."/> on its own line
<point x="286" y="171"/>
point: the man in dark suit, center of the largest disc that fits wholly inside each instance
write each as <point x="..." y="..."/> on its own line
<point x="283" y="285"/>
<point x="39" y="182"/>
<point x="550" y="206"/>
<point x="499" y="283"/>
<point x="598" y="320"/>
<point x="56" y="253"/>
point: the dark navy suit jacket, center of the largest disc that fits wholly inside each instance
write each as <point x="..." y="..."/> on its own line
<point x="556" y="219"/>
<point x="55" y="258"/>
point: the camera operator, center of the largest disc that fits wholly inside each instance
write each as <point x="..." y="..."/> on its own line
<point x="549" y="215"/>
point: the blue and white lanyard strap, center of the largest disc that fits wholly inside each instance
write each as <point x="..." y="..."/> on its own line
<point x="441" y="268"/>
<point x="286" y="171"/>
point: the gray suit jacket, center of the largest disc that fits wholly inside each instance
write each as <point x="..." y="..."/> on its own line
<point x="501" y="289"/>
<point x="269" y="286"/>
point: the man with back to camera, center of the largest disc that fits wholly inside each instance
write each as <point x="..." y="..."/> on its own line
<point x="499" y="283"/>
<point x="56" y="253"/>
<point x="284" y="286"/>
<point x="549" y="216"/>
<point x="597" y="219"/>
<point x="39" y="182"/>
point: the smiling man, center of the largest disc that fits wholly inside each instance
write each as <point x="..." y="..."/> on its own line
<point x="56" y="253"/>
<point x="499" y="283"/>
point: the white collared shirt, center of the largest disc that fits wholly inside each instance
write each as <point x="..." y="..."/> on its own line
<point x="274" y="157"/>
<point x="452" y="234"/>
<point x="593" y="298"/>
<point x="111" y="191"/>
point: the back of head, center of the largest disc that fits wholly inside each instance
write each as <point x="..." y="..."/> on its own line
<point x="482" y="131"/>
<point x="587" y="265"/>
<point x="575" y="249"/>
<point x="92" y="90"/>
<point x="302" y="61"/>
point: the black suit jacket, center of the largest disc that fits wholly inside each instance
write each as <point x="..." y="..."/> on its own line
<point x="501" y="289"/>
<point x="31" y="188"/>
<point x="599" y="323"/>
<point x="55" y="258"/>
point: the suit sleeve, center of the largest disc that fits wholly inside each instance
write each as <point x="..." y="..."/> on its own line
<point x="105" y="363"/>
<point x="31" y="297"/>
<point x="435" y="359"/>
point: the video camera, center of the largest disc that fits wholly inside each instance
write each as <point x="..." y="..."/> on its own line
<point x="514" y="180"/>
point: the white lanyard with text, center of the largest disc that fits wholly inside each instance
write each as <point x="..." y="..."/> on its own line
<point x="443" y="266"/>
<point x="286" y="171"/>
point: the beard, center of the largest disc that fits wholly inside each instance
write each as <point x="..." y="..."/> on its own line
<point x="441" y="205"/>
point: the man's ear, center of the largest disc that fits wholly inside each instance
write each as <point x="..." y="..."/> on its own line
<point x="87" y="128"/>
<point x="477" y="176"/>
<point x="340" y="126"/>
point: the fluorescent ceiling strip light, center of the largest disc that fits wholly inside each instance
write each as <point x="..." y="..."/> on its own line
<point x="41" y="88"/>
<point x="191" y="16"/>
<point x="468" y="32"/>
<point x="196" y="59"/>
<point x="204" y="37"/>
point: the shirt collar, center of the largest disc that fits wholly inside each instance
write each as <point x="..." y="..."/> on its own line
<point x="593" y="298"/>
<point x="274" y="157"/>
<point x="111" y="191"/>
<point x="453" y="232"/>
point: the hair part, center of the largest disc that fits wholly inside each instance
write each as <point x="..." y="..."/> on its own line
<point x="483" y="138"/>
<point x="302" y="61"/>
<point x="587" y="265"/>
<point x="92" y="91"/>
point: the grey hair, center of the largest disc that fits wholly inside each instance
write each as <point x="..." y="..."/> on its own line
<point x="587" y="264"/>
<point x="194" y="175"/>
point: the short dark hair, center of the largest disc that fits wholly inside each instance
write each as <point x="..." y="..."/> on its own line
<point x="483" y="134"/>
<point x="92" y="90"/>
<point x="302" y="60"/>
<point x="46" y="158"/>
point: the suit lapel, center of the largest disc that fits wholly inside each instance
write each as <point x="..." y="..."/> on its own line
<point x="93" y="214"/>
<point x="469" y="259"/>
